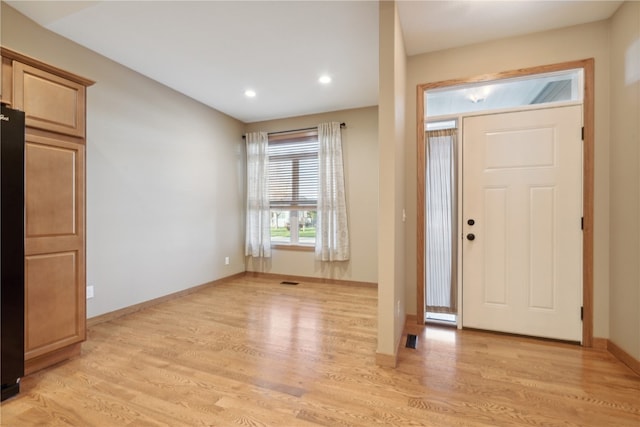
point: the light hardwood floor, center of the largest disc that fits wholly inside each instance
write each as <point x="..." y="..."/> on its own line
<point x="253" y="352"/>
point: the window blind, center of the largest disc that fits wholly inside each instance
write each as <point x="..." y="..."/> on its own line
<point x="293" y="173"/>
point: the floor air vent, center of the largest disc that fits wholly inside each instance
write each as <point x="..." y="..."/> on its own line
<point x="412" y="341"/>
<point x="286" y="282"/>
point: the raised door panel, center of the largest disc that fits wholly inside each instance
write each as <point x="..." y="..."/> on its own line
<point x="50" y="188"/>
<point x="54" y="315"/>
<point x="50" y="102"/>
<point x="6" y="81"/>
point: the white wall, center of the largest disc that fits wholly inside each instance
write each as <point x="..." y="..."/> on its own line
<point x="360" y="157"/>
<point x="391" y="228"/>
<point x="625" y="179"/>
<point x="165" y="177"/>
<point x="550" y="47"/>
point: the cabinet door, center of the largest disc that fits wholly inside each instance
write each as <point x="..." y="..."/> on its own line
<point x="55" y="305"/>
<point x="50" y="102"/>
<point x="6" y="81"/>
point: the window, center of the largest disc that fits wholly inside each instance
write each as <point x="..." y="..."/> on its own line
<point x="293" y="188"/>
<point x="555" y="87"/>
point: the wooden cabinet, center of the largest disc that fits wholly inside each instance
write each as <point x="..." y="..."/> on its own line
<point x="6" y="81"/>
<point x="50" y="102"/>
<point x="55" y="305"/>
<point x="54" y="249"/>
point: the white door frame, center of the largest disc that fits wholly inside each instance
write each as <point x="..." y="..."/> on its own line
<point x="587" y="65"/>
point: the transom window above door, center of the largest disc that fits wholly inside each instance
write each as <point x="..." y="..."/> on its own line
<point x="548" y="88"/>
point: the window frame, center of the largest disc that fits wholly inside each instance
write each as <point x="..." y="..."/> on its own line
<point x="293" y="209"/>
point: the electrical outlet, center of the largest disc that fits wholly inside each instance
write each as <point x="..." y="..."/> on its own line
<point x="226" y="260"/>
<point x="89" y="292"/>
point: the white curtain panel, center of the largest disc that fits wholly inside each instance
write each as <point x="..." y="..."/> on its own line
<point x="258" y="235"/>
<point x="440" y="210"/>
<point x="332" y="232"/>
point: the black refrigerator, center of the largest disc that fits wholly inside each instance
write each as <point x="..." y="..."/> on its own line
<point x="11" y="249"/>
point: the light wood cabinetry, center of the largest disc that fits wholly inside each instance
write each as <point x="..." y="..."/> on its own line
<point x="54" y="248"/>
<point x="55" y="306"/>
<point x="6" y="81"/>
<point x="50" y="102"/>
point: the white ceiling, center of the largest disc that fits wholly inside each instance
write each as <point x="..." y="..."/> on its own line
<point x="213" y="51"/>
<point x="429" y="26"/>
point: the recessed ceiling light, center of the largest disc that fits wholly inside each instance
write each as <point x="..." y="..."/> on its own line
<point x="325" y="79"/>
<point x="250" y="93"/>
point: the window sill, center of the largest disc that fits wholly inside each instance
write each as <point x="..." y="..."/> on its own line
<point x="302" y="248"/>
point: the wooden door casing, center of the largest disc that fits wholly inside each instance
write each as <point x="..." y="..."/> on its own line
<point x="588" y="66"/>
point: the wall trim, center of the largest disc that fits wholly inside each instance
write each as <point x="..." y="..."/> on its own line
<point x="387" y="360"/>
<point x="623" y="356"/>
<point x="276" y="276"/>
<point x="106" y="317"/>
<point x="391" y="360"/>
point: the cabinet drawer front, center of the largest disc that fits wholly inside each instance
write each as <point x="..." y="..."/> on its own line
<point x="50" y="102"/>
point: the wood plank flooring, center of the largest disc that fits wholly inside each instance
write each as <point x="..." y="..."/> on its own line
<point x="253" y="352"/>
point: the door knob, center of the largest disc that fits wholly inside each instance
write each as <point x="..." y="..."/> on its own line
<point x="471" y="236"/>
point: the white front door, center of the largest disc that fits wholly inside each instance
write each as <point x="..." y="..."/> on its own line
<point x="521" y="230"/>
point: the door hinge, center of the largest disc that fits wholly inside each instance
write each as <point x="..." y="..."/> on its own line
<point x="582" y="223"/>
<point x="581" y="313"/>
<point x="583" y="133"/>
